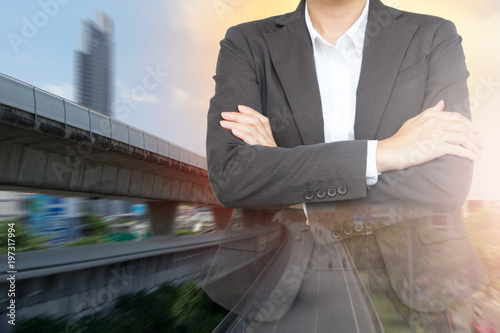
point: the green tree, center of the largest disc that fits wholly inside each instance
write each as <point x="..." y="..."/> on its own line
<point x="90" y="240"/>
<point x="40" y="324"/>
<point x="24" y="240"/>
<point x="94" y="225"/>
<point x="169" y="309"/>
<point x="195" y="311"/>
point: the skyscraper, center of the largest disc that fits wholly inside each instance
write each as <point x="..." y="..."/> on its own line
<point x="94" y="65"/>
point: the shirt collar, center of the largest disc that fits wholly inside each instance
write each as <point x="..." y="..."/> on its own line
<point x="356" y="32"/>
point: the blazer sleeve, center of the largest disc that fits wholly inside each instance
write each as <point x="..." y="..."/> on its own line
<point x="254" y="176"/>
<point x="444" y="183"/>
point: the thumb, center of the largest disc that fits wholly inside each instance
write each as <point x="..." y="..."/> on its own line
<point x="246" y="109"/>
<point x="439" y="106"/>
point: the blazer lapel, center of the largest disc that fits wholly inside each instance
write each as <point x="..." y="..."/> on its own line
<point x="386" y="41"/>
<point x="291" y="52"/>
<point x="292" y="56"/>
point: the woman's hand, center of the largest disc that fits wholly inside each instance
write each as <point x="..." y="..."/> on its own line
<point x="249" y="125"/>
<point x="431" y="134"/>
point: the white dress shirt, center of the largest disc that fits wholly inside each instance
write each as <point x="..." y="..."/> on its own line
<point x="338" y="68"/>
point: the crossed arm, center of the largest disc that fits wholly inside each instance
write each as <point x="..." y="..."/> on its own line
<point x="449" y="132"/>
<point x="247" y="169"/>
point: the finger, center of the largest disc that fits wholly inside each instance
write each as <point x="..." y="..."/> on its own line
<point x="238" y="117"/>
<point x="247" y="133"/>
<point x="228" y="115"/>
<point x="449" y="115"/>
<point x="455" y="117"/>
<point x="256" y="122"/>
<point x="469" y="135"/>
<point x="456" y="123"/>
<point x="226" y="124"/>
<point x="250" y="138"/>
<point x="248" y="110"/>
<point x="438" y="107"/>
<point x="248" y="120"/>
<point x="459" y="151"/>
<point x="246" y="137"/>
<point x="264" y="120"/>
<point x="464" y="140"/>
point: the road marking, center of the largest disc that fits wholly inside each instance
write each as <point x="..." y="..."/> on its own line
<point x="294" y="274"/>
<point x="348" y="291"/>
<point x="241" y="316"/>
<point x="317" y="294"/>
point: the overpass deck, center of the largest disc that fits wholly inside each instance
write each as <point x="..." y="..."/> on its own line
<point x="58" y="260"/>
<point x="52" y="145"/>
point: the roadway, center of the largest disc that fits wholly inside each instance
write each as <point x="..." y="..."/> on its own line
<point x="35" y="264"/>
<point x="330" y="298"/>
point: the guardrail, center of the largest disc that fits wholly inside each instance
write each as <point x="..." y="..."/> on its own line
<point x="40" y="103"/>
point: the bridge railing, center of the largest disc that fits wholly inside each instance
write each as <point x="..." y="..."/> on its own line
<point x="40" y="103"/>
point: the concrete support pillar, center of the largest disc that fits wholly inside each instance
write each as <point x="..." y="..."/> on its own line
<point x="222" y="216"/>
<point x="162" y="215"/>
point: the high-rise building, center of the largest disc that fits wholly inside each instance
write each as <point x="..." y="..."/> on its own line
<point x="94" y="65"/>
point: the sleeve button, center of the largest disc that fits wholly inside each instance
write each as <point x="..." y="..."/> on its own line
<point x="308" y="195"/>
<point x="321" y="194"/>
<point x="331" y="192"/>
<point x="342" y="189"/>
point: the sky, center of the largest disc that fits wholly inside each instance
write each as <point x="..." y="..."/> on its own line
<point x="178" y="41"/>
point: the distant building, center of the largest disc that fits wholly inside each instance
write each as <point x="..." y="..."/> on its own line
<point x="94" y="65"/>
<point x="108" y="207"/>
<point x="59" y="218"/>
<point x="55" y="217"/>
<point x="43" y="215"/>
<point x="11" y="205"/>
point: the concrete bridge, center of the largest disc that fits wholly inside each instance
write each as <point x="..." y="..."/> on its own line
<point x="53" y="146"/>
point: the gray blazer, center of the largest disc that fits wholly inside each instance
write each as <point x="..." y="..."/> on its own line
<point x="410" y="62"/>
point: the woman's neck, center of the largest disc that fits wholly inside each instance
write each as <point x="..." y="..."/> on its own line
<point x="332" y="18"/>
